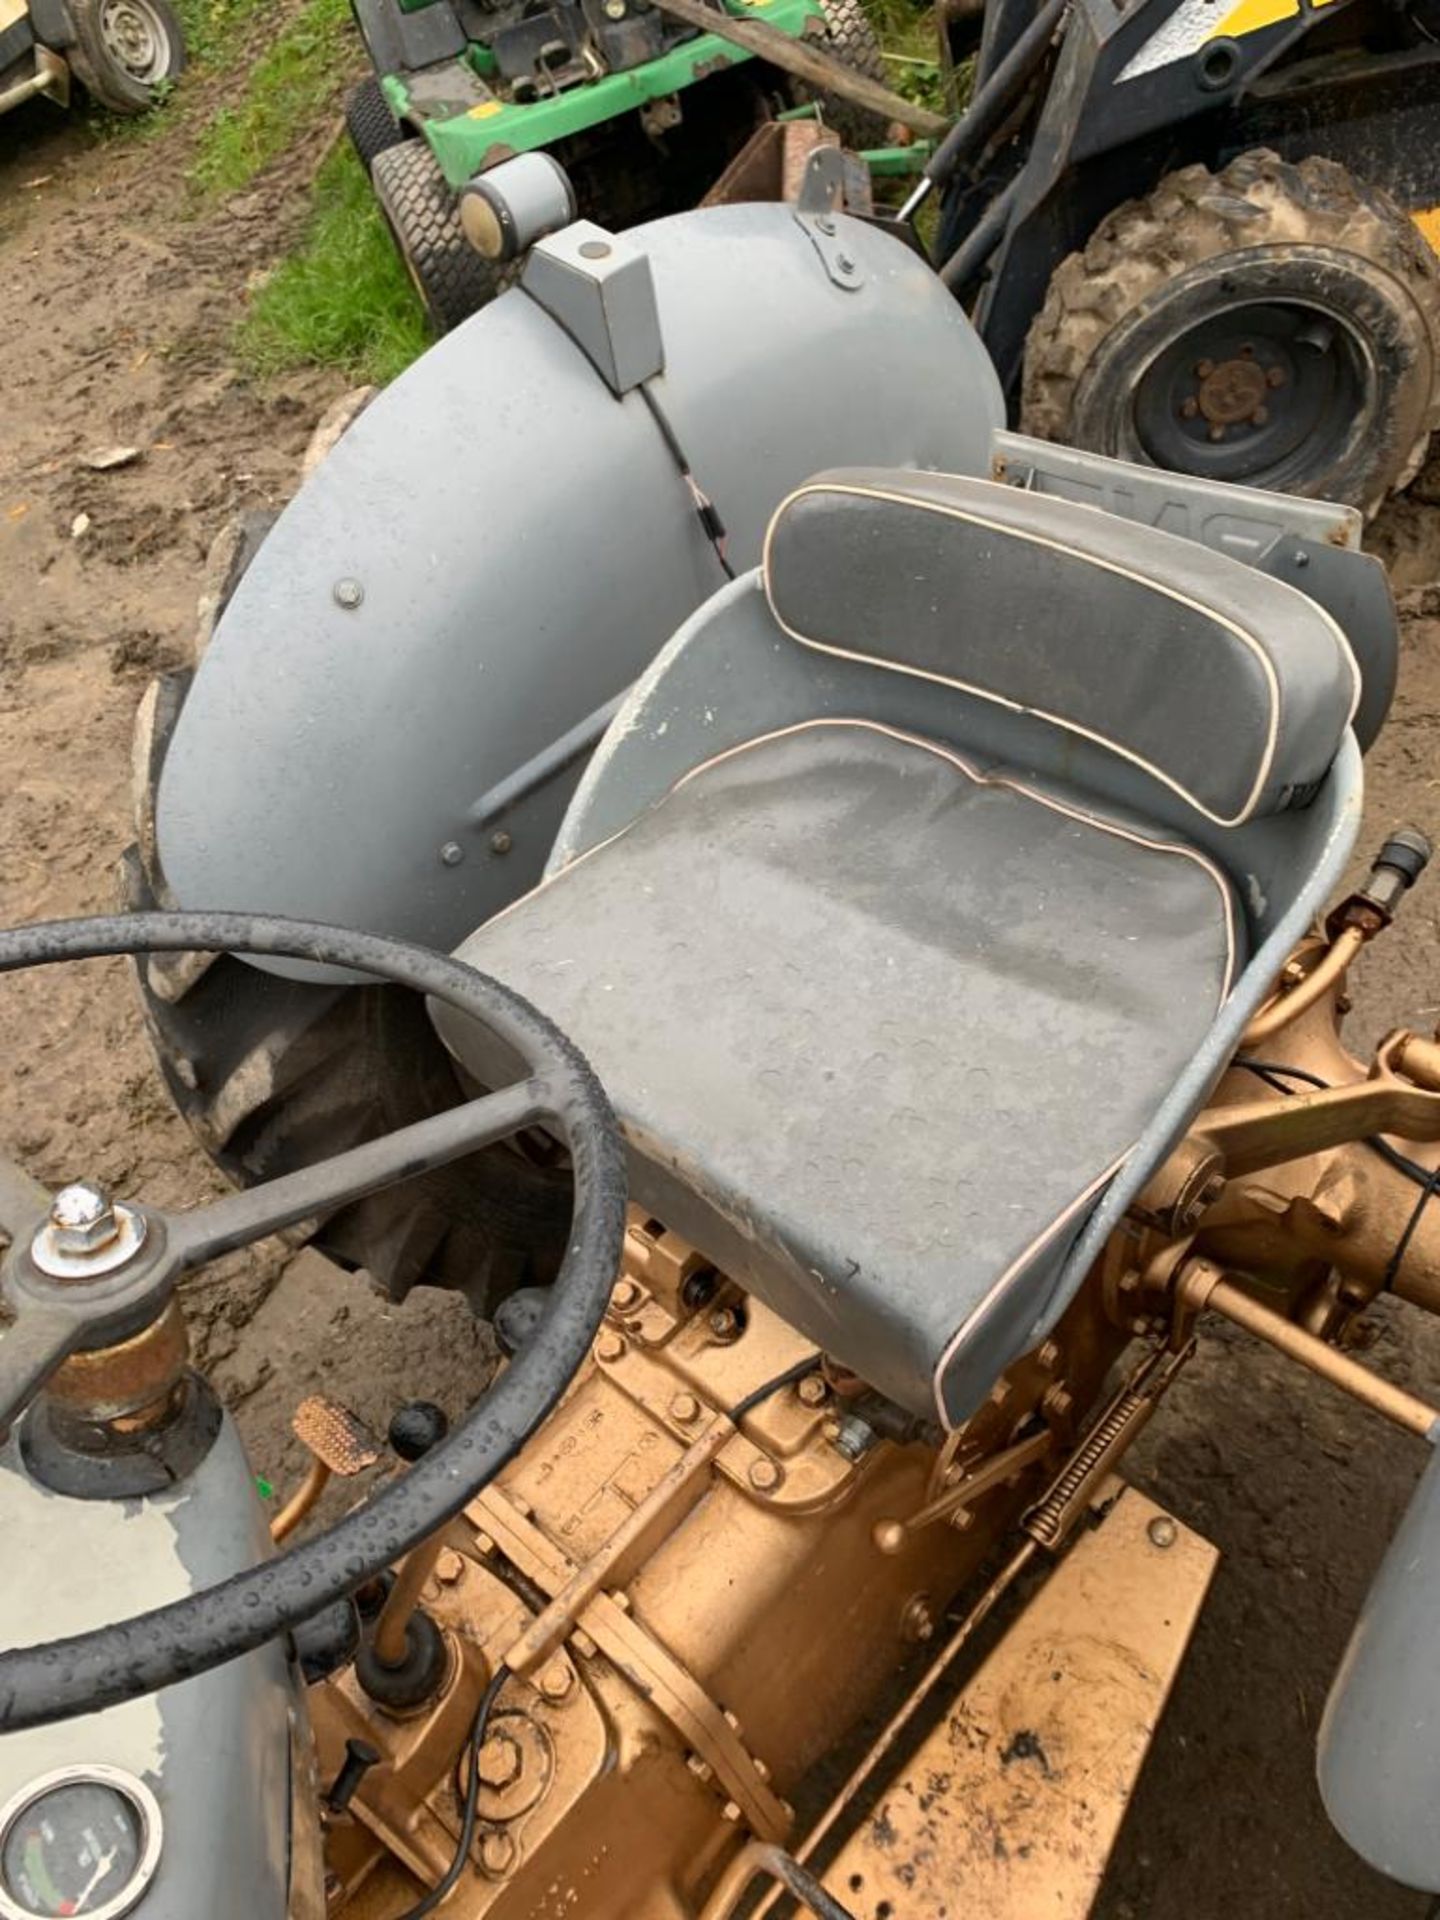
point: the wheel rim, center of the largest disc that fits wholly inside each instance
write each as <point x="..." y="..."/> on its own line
<point x="136" y="39"/>
<point x="1268" y="392"/>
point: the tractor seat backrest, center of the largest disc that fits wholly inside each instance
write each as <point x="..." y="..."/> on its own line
<point x="1228" y="687"/>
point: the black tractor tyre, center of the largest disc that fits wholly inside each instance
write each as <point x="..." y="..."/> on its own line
<point x="423" y="215"/>
<point x="851" y="38"/>
<point x="1274" y="325"/>
<point x="274" y="1074"/>
<point x="126" y="53"/>
<point x="372" y="127"/>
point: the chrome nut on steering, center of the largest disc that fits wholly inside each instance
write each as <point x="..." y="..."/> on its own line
<point x="86" y="1234"/>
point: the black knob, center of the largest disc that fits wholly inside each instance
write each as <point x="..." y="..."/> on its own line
<point x="517" y="1317"/>
<point x="417" y="1427"/>
<point x="1408" y="851"/>
<point x="360" y="1756"/>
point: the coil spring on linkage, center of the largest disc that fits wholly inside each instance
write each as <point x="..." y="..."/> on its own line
<point x="1053" y="1515"/>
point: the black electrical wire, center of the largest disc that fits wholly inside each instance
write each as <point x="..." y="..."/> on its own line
<point x="1426" y="1178"/>
<point x="803" y="1884"/>
<point x="1273" y="1075"/>
<point x="799" y="1371"/>
<point x="445" y="1884"/>
<point x="1402" y="1245"/>
<point x="709" y="513"/>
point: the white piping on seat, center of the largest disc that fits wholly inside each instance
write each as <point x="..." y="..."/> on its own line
<point x="1109" y="566"/>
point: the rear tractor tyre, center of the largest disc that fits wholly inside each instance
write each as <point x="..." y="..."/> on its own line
<point x="372" y="127"/>
<point x="422" y="212"/>
<point x="1273" y="325"/>
<point x="127" y="53"/>
<point x="274" y="1074"/>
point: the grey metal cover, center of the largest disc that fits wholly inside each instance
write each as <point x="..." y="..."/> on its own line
<point x="522" y="543"/>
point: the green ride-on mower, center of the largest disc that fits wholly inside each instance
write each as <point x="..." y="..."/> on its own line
<point x="1198" y="233"/>
<point x="612" y="89"/>
<point x="125" y="53"/>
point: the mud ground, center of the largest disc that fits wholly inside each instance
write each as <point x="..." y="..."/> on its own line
<point x="115" y="310"/>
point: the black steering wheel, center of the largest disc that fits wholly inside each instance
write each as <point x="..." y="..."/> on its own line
<point x="57" y="1315"/>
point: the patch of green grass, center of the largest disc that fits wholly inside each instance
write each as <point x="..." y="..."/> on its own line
<point x="343" y="299"/>
<point x="909" y="41"/>
<point x="298" y="75"/>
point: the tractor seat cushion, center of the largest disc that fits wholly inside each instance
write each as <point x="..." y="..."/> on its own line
<point x="878" y="1027"/>
<point x="1230" y="688"/>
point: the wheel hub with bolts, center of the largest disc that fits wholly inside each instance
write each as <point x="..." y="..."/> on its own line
<point x="1238" y="394"/>
<point x="136" y="38"/>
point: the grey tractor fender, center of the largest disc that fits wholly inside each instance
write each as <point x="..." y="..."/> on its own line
<point x="397" y="702"/>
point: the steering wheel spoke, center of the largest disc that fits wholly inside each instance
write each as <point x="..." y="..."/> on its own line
<point x="242" y="1218"/>
<point x="39" y="1340"/>
<point x="23" y="1201"/>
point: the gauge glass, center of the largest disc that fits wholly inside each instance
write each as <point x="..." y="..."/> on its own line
<point x="73" y="1848"/>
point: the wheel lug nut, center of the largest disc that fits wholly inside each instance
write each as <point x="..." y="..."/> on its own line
<point x="1275" y="377"/>
<point x="1247" y="352"/>
<point x="1259" y="416"/>
<point x="1204" y="369"/>
<point x="1189" y="409"/>
<point x="1217" y="433"/>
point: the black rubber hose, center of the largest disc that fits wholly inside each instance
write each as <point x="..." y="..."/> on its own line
<point x="982" y="117"/>
<point x="90" y="1671"/>
<point x="978" y="245"/>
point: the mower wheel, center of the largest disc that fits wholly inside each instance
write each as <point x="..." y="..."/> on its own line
<point x="126" y="53"/>
<point x="274" y="1074"/>
<point x="372" y="127"/>
<point x="851" y="38"/>
<point x="1275" y="325"/>
<point x="422" y="211"/>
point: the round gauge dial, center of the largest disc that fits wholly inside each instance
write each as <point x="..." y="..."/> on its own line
<point x="83" y="1841"/>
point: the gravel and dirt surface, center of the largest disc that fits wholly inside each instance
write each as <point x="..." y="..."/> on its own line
<point x="116" y="307"/>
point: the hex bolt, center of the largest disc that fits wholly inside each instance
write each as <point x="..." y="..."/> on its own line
<point x="451" y="854"/>
<point x="449" y="1567"/>
<point x="812" y="1390"/>
<point x="684" y="1408"/>
<point x="348" y="594"/>
<point x="499" y="1762"/>
<point x="1049" y="1355"/>
<point x="625" y="1294"/>
<point x="765" y="1476"/>
<point x="844" y="263"/>
<point x="724" y="1324"/>
<point x="610" y="1345"/>
<point x="360" y="1756"/>
<point x="824" y="224"/>
<point x="1163" y="1531"/>
<point x="501" y="842"/>
<point x="83" y="1218"/>
<point x="497" y="1852"/>
<point x="555" y="1681"/>
<point x="853" y="1437"/>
